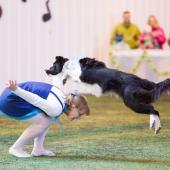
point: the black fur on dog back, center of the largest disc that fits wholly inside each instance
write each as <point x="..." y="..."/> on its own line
<point x="137" y="93"/>
<point x="92" y="63"/>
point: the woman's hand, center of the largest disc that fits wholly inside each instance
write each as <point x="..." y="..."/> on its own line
<point x="12" y="85"/>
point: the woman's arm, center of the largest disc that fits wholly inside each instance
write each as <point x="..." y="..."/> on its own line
<point x="50" y="108"/>
<point x="159" y="35"/>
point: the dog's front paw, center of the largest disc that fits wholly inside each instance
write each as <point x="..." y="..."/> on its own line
<point x="157" y="130"/>
<point x="155" y="123"/>
<point x="152" y="122"/>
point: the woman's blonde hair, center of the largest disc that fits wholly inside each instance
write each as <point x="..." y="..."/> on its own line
<point x="82" y="105"/>
<point x="80" y="102"/>
<point x="154" y="19"/>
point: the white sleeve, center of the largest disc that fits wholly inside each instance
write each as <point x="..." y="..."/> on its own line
<point x="45" y="105"/>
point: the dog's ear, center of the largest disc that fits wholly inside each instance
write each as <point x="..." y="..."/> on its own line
<point x="91" y="63"/>
<point x="60" y="59"/>
<point x="85" y="61"/>
<point x="57" y="65"/>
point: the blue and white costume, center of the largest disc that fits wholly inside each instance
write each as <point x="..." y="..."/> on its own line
<point x="31" y="99"/>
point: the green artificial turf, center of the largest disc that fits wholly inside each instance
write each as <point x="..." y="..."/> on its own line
<point x="112" y="137"/>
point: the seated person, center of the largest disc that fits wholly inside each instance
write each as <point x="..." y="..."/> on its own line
<point x="169" y="41"/>
<point x="146" y="39"/>
<point x="120" y="44"/>
<point x="40" y="104"/>
<point x="158" y="34"/>
<point x="126" y="32"/>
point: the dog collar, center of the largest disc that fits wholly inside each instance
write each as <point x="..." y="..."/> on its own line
<point x="66" y="107"/>
<point x="74" y="93"/>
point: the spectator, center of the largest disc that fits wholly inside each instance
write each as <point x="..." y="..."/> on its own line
<point x="146" y="39"/>
<point x="169" y="41"/>
<point x="126" y="31"/>
<point x="157" y="32"/>
<point x="0" y="11"/>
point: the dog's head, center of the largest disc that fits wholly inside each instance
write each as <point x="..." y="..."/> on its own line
<point x="90" y="63"/>
<point x="57" y="66"/>
<point x="72" y="69"/>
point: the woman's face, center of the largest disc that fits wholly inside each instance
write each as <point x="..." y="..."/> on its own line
<point x="152" y="21"/>
<point x="73" y="113"/>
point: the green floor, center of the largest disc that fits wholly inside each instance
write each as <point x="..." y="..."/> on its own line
<point x="112" y="137"/>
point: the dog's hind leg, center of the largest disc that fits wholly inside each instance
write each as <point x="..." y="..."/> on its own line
<point x="144" y="108"/>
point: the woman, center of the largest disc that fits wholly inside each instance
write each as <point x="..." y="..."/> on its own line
<point x="158" y="34"/>
<point x="39" y="104"/>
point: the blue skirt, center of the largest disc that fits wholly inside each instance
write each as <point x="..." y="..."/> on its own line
<point x="25" y="117"/>
<point x="12" y="106"/>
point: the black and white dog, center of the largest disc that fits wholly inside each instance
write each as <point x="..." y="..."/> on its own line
<point x="136" y="93"/>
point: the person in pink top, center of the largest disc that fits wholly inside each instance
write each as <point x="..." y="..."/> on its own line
<point x="158" y="34"/>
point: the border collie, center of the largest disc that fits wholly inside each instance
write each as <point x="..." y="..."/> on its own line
<point x="138" y="94"/>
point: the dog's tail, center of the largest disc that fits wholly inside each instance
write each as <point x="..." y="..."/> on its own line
<point x="162" y="87"/>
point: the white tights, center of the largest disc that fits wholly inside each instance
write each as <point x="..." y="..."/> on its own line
<point x="40" y="123"/>
<point x="36" y="131"/>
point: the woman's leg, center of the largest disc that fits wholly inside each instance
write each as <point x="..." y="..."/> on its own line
<point x="38" y="149"/>
<point x="40" y="124"/>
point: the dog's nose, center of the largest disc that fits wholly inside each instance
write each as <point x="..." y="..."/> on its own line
<point x="47" y="71"/>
